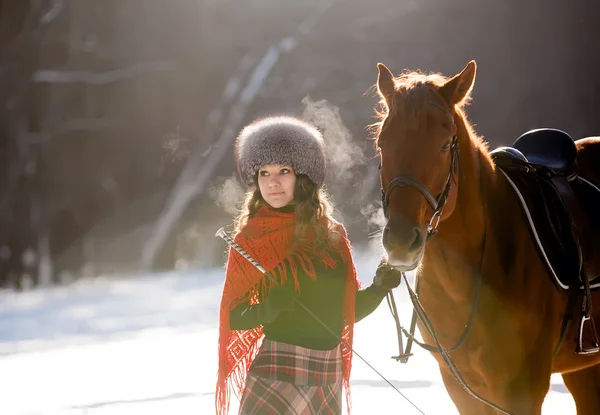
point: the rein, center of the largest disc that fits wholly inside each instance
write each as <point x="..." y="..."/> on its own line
<point x="438" y="207"/>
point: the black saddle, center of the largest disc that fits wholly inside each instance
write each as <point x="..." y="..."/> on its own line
<point x="542" y="168"/>
<point x="549" y="147"/>
<point x="559" y="205"/>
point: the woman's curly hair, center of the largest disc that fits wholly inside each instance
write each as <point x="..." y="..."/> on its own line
<point x="311" y="204"/>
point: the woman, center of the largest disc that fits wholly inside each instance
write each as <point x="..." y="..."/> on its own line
<point x="303" y="362"/>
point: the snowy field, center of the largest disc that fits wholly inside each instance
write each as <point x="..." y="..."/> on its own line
<point x="147" y="345"/>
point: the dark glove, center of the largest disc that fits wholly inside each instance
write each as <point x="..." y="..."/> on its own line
<point x="386" y="276"/>
<point x="280" y="299"/>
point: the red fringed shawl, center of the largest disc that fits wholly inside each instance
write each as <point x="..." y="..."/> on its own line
<point x="268" y="238"/>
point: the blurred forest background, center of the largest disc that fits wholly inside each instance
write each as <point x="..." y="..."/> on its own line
<point x="117" y="116"/>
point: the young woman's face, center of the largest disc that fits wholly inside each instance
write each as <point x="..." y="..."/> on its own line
<point x="276" y="184"/>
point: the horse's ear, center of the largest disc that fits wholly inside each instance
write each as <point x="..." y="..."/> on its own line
<point x="459" y="87"/>
<point x="385" y="83"/>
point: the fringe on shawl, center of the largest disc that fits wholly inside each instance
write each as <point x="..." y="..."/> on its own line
<point x="351" y="286"/>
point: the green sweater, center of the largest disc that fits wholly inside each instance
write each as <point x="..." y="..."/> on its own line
<point x="323" y="297"/>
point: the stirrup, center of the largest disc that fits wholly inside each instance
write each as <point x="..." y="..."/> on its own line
<point x="594" y="344"/>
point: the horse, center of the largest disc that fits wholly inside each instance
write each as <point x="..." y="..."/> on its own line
<point x="490" y="312"/>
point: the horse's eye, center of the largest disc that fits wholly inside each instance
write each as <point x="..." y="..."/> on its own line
<point x="446" y="146"/>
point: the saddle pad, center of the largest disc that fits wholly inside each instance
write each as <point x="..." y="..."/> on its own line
<point x="547" y="223"/>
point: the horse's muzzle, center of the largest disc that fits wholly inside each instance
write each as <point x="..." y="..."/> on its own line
<point x="404" y="243"/>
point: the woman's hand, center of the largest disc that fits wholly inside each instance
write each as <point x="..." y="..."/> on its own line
<point x="386" y="276"/>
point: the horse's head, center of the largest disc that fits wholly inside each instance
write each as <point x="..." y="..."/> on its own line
<point x="418" y="145"/>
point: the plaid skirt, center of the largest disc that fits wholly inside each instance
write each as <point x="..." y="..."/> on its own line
<point x="291" y="380"/>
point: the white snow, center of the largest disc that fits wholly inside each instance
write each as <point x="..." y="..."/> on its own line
<point x="147" y="345"/>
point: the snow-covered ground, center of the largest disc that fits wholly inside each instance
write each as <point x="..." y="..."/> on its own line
<point x="147" y="345"/>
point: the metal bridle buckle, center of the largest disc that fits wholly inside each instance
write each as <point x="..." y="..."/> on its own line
<point x="434" y="223"/>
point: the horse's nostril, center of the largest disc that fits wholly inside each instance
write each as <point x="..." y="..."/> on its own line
<point x="417" y="242"/>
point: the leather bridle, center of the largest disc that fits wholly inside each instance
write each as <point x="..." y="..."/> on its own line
<point x="437" y="203"/>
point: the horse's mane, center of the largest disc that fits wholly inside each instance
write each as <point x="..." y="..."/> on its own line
<point x="414" y="91"/>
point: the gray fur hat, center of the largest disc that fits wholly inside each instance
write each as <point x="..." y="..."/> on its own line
<point x="281" y="140"/>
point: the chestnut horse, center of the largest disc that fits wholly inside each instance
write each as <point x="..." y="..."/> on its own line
<point x="482" y="284"/>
